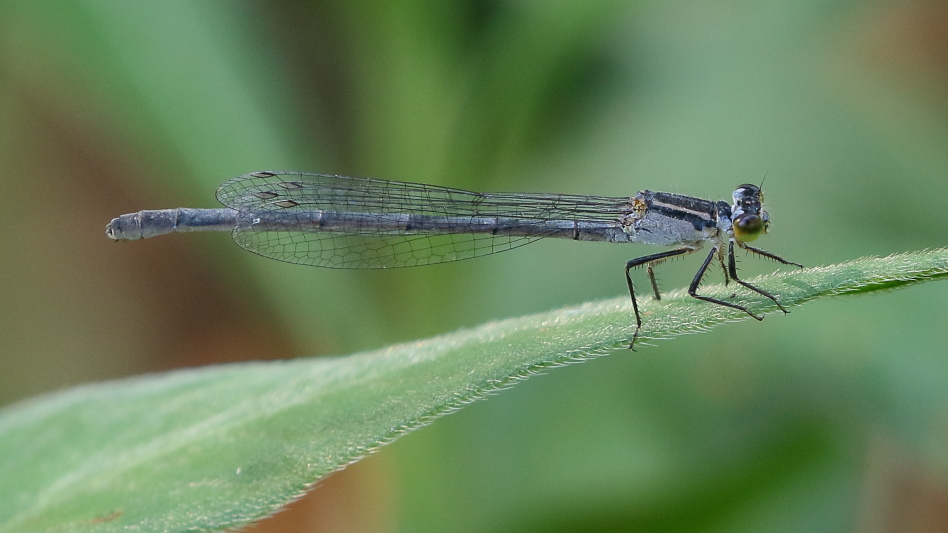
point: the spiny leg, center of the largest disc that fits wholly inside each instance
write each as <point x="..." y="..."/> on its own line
<point x="768" y="255"/>
<point x="732" y="270"/>
<point x="647" y="260"/>
<point x="693" y="288"/>
<point x="727" y="277"/>
<point x="650" y="268"/>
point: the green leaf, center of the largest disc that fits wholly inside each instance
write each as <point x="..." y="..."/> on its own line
<point x="218" y="447"/>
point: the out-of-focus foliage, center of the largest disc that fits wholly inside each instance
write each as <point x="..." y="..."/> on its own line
<point x="830" y="419"/>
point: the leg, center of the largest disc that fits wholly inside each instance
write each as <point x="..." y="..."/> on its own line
<point x="768" y="255"/>
<point x="651" y="277"/>
<point x="732" y="270"/>
<point x="647" y="260"/>
<point x="693" y="288"/>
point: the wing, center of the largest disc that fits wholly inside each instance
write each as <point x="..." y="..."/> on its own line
<point x="343" y="222"/>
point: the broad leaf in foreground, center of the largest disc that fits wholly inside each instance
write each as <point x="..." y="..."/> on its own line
<point x="218" y="447"/>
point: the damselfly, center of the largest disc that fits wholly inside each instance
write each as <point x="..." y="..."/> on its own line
<point x="343" y="222"/>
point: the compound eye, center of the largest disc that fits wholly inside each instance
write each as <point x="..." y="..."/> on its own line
<point x="748" y="227"/>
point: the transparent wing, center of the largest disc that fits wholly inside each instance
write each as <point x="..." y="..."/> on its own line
<point x="343" y="222"/>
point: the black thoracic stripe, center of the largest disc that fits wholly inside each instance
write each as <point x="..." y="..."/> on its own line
<point x="700" y="213"/>
<point x="686" y="203"/>
<point x="699" y="222"/>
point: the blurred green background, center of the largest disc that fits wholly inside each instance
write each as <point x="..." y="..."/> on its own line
<point x="834" y="418"/>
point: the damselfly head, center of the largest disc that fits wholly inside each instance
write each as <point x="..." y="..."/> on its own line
<point x="748" y="217"/>
<point x="748" y="196"/>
